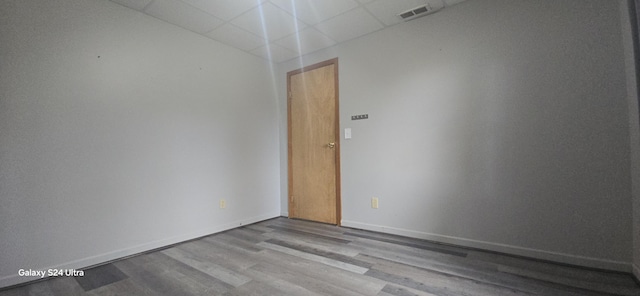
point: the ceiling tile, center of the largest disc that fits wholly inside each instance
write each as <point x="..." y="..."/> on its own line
<point x="135" y="4"/>
<point x="269" y="28"/>
<point x="183" y="15"/>
<point x="387" y="10"/>
<point x="269" y="22"/>
<point x="350" y="25"/>
<point x="275" y="53"/>
<point x="452" y="2"/>
<point x="306" y="41"/>
<point x="225" y="9"/>
<point x="313" y="11"/>
<point x="236" y="37"/>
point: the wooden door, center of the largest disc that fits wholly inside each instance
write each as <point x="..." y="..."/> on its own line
<point x="314" y="149"/>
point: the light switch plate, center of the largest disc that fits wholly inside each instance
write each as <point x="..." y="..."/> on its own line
<point x="347" y="133"/>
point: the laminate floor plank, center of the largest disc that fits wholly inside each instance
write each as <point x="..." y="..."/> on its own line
<point x="257" y="288"/>
<point x="248" y="230"/>
<point x="309" y="224"/>
<point x="223" y="245"/>
<point x="315" y="251"/>
<point x="226" y="275"/>
<point x="287" y="287"/>
<point x="557" y="270"/>
<point x="99" y="276"/>
<point x="312" y="257"/>
<point x="494" y="278"/>
<point x="41" y="288"/>
<point x="65" y="286"/>
<point x="427" y="247"/>
<point x="319" y="232"/>
<point x="295" y="257"/>
<point x="374" y="245"/>
<point x="35" y="289"/>
<point x="311" y="234"/>
<point x="167" y="263"/>
<point x="436" y="288"/>
<point x="244" y="234"/>
<point x="393" y="290"/>
<point x="347" y="250"/>
<point x="313" y="284"/>
<point x="166" y="275"/>
<point x="124" y="287"/>
<point x="259" y="227"/>
<point x="227" y="257"/>
<point x="327" y="230"/>
<point x="150" y="281"/>
<point x="239" y="241"/>
<point x="422" y="278"/>
<point x="356" y="282"/>
<point x="189" y="283"/>
<point x="422" y="258"/>
<point x="589" y="285"/>
<point x="352" y="232"/>
<point x="512" y="282"/>
<point x="16" y="291"/>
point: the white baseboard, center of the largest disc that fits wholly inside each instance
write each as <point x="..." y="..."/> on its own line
<point x="636" y="272"/>
<point x="284" y="214"/>
<point x="15" y="279"/>
<point x="502" y="248"/>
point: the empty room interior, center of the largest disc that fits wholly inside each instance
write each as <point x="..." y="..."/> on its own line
<point x="319" y="147"/>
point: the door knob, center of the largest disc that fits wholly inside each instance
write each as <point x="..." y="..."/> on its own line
<point x="331" y="145"/>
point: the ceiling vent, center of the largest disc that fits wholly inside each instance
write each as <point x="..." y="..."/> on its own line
<point x="417" y="12"/>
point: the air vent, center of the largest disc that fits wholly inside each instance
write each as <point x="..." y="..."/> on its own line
<point x="417" y="12"/>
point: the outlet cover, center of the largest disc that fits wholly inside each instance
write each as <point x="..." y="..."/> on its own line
<point x="374" y="202"/>
<point x="223" y="204"/>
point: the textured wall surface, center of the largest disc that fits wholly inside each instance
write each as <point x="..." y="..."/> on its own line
<point x="120" y="133"/>
<point x="495" y="124"/>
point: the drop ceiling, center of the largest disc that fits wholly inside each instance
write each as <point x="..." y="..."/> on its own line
<point x="279" y="30"/>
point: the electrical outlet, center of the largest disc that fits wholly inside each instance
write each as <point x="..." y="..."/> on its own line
<point x="223" y="204"/>
<point x="374" y="202"/>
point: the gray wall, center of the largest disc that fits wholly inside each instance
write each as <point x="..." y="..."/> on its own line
<point x="634" y="122"/>
<point x="497" y="124"/>
<point x="634" y="125"/>
<point x="634" y="128"/>
<point x="120" y="133"/>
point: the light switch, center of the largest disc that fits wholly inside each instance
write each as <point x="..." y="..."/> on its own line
<point x="361" y="116"/>
<point x="347" y="133"/>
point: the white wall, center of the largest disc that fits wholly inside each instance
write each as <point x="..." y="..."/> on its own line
<point x="497" y="124"/>
<point x="119" y="133"/>
<point x="634" y="130"/>
<point x="634" y="126"/>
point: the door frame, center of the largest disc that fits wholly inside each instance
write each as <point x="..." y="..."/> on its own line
<point x="334" y="62"/>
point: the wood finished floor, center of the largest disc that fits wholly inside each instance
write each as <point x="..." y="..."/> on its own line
<point x="292" y="257"/>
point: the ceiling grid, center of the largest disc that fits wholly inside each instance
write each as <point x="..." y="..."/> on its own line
<point x="280" y="30"/>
